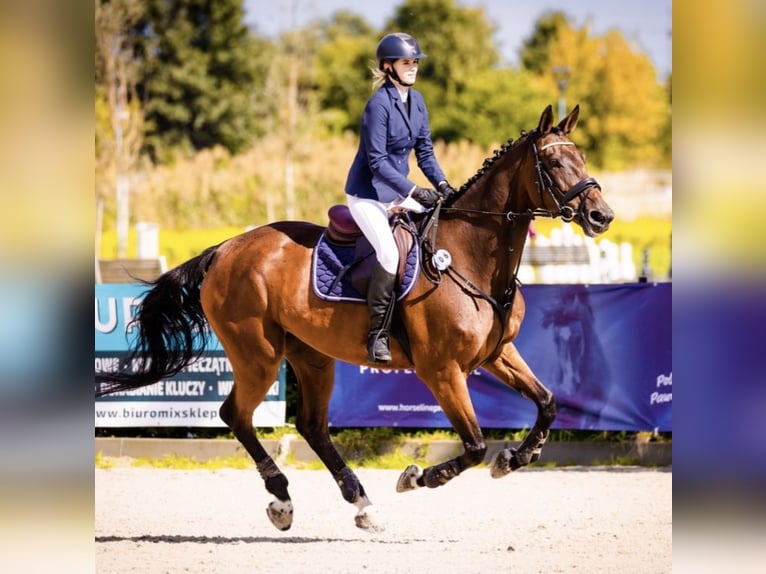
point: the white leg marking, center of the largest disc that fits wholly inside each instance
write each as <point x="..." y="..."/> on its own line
<point x="280" y="512"/>
<point x="408" y="479"/>
<point x="367" y="517"/>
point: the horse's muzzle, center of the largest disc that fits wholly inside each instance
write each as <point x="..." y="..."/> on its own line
<point x="597" y="220"/>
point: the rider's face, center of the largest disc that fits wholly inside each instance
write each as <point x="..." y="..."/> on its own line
<point x="407" y="69"/>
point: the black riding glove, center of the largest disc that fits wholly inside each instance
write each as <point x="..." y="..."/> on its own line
<point x="446" y="190"/>
<point x="425" y="196"/>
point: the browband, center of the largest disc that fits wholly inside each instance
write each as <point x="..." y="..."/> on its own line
<point x="546" y="146"/>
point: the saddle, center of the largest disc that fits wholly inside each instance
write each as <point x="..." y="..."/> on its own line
<point x="343" y="259"/>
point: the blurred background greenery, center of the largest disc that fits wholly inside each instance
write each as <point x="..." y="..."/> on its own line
<point x="205" y="126"/>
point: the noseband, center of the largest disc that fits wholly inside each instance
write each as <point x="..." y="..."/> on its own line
<point x="545" y="184"/>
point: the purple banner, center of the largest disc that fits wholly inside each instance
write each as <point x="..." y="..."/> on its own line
<point x="605" y="351"/>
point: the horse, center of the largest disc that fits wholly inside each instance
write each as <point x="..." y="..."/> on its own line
<point x="581" y="374"/>
<point x="254" y="291"/>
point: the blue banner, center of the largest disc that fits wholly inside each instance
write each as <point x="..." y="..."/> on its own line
<point x="189" y="399"/>
<point x="605" y="351"/>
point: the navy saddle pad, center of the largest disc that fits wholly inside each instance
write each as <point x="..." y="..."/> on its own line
<point x="333" y="266"/>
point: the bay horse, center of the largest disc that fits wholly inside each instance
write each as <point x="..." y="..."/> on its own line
<point x="254" y="291"/>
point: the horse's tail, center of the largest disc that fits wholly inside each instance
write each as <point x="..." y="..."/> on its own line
<point x="172" y="329"/>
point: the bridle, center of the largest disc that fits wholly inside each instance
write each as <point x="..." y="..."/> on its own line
<point x="545" y="185"/>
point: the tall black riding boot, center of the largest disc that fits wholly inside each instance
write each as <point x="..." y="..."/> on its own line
<point x="380" y="301"/>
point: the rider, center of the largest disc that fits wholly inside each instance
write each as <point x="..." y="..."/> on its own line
<point x="395" y="120"/>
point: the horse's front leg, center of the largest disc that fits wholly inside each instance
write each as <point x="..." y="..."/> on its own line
<point x="451" y="392"/>
<point x="511" y="369"/>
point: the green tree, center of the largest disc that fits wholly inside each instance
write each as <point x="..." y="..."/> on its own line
<point x="469" y="96"/>
<point x="624" y="109"/>
<point x="199" y="72"/>
<point x="460" y="46"/>
<point x="535" y="51"/>
<point x="119" y="125"/>
<point x="665" y="139"/>
<point x="623" y="104"/>
<point x="460" y="41"/>
<point x="497" y="107"/>
<point x="342" y="78"/>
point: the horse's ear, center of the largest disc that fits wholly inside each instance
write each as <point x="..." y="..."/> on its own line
<point x="546" y="120"/>
<point x="568" y="124"/>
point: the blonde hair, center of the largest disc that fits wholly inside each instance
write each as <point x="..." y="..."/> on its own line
<point x="379" y="76"/>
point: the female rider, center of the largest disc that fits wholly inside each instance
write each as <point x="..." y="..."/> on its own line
<point x="394" y="122"/>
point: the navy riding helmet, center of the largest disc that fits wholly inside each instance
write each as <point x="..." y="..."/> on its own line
<point x="398" y="46"/>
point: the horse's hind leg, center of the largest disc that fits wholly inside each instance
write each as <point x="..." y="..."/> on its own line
<point x="511" y="369"/>
<point x="316" y="376"/>
<point x="250" y="387"/>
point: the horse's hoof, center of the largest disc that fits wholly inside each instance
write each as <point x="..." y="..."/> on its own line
<point x="408" y="479"/>
<point x="280" y="512"/>
<point x="367" y="519"/>
<point x="501" y="466"/>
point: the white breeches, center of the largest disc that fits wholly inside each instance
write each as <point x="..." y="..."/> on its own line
<point x="372" y="218"/>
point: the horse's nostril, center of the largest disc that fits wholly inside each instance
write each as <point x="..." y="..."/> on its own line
<point x="601" y="217"/>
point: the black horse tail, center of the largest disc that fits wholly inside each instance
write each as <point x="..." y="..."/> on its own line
<point x="172" y="329"/>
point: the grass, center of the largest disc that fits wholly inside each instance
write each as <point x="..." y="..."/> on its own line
<point x="103" y="462"/>
<point x="168" y="461"/>
<point x="383" y="448"/>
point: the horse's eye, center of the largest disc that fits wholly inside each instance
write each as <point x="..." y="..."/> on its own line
<point x="555" y="163"/>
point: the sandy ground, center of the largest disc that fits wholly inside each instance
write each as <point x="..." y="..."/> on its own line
<point x="584" y="520"/>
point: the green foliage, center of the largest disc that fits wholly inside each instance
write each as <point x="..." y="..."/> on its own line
<point x="459" y="72"/>
<point x="535" y="52"/>
<point x="253" y="105"/>
<point x="342" y="77"/>
<point x="361" y="444"/>
<point x="458" y="41"/>
<point x="199" y="68"/>
<point x="382" y="448"/>
<point x="624" y="110"/>
<point x="626" y="107"/>
<point x="502" y="103"/>
<point x="208" y="83"/>
<point x="103" y="462"/>
<point x="665" y="137"/>
<point x="394" y="460"/>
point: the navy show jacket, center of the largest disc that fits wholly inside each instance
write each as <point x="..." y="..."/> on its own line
<point x="388" y="135"/>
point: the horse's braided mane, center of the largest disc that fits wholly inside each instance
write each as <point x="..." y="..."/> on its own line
<point x="490" y="161"/>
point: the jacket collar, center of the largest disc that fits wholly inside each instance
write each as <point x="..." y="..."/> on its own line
<point x="396" y="99"/>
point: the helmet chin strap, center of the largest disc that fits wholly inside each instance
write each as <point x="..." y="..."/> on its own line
<point x="392" y="74"/>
